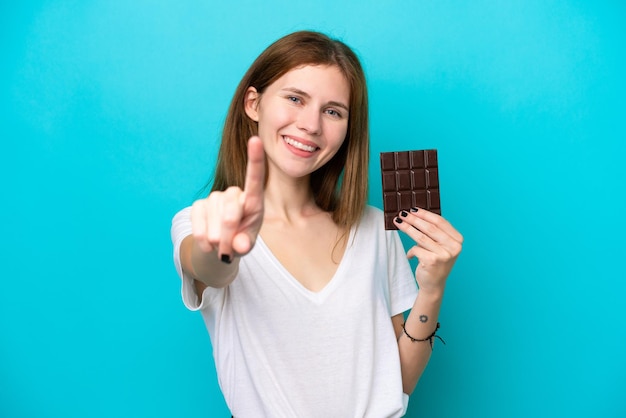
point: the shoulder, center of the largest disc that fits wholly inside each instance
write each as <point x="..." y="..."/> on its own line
<point x="181" y="224"/>
<point x="372" y="220"/>
<point x="182" y="215"/>
<point x="372" y="223"/>
<point x="372" y="215"/>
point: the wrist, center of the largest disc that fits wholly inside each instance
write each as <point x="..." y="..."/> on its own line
<point x="430" y="294"/>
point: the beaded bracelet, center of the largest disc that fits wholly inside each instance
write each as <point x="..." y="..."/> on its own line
<point x="429" y="338"/>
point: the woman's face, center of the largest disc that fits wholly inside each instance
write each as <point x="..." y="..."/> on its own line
<point x="302" y="118"/>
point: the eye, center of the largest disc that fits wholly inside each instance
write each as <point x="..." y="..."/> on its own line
<point x="294" y="99"/>
<point x="334" y="113"/>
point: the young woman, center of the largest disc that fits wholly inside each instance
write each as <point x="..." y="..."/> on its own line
<point x="302" y="290"/>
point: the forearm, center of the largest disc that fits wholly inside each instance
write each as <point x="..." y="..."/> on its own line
<point x="207" y="268"/>
<point x="421" y="323"/>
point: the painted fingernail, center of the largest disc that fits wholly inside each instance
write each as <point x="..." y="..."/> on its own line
<point x="398" y="220"/>
<point x="226" y="259"/>
<point x="414" y="209"/>
<point x="404" y="213"/>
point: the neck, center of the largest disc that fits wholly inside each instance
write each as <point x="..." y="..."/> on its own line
<point x="288" y="199"/>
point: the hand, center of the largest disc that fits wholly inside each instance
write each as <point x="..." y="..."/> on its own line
<point x="438" y="246"/>
<point x="230" y="221"/>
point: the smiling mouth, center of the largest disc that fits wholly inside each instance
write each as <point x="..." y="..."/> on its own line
<point x="299" y="145"/>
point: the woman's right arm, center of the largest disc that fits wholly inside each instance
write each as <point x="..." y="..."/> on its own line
<point x="206" y="268"/>
<point x="225" y="226"/>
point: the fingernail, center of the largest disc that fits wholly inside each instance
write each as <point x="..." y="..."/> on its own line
<point x="398" y="220"/>
<point x="414" y="209"/>
<point x="403" y="214"/>
<point x="226" y="259"/>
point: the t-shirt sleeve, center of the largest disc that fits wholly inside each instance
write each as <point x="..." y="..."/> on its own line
<point x="402" y="284"/>
<point x="181" y="228"/>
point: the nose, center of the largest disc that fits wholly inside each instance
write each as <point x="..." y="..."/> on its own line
<point x="309" y="120"/>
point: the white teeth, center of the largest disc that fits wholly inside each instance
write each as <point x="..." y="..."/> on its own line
<point x="299" y="145"/>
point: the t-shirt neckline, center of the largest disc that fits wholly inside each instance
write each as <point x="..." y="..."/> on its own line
<point x="321" y="295"/>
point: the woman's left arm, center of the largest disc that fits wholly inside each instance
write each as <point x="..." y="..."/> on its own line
<point x="438" y="244"/>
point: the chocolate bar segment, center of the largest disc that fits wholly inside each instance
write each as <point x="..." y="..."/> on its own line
<point x="409" y="178"/>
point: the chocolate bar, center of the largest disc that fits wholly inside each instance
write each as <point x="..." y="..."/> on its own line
<point x="410" y="178"/>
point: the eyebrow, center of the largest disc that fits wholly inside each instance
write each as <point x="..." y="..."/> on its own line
<point x="307" y="95"/>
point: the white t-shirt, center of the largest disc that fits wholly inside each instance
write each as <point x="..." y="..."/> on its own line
<point x="281" y="350"/>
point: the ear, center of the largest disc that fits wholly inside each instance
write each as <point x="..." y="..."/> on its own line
<point x="251" y="103"/>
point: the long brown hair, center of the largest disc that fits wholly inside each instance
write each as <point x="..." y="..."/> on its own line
<point x="341" y="185"/>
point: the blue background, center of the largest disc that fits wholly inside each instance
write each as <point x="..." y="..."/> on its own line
<point x="110" y="117"/>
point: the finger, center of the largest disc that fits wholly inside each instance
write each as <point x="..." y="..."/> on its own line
<point x="199" y="226"/>
<point x="255" y="171"/>
<point x="242" y="243"/>
<point x="430" y="235"/>
<point x="231" y="212"/>
<point x="433" y="225"/>
<point x="425" y="257"/>
<point x="424" y="241"/>
<point x="440" y="264"/>
<point x="436" y="268"/>
<point x="439" y="221"/>
<point x="432" y="231"/>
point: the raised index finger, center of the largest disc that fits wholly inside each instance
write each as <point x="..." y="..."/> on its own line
<point x="255" y="170"/>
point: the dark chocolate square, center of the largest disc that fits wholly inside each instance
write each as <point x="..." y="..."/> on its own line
<point x="409" y="178"/>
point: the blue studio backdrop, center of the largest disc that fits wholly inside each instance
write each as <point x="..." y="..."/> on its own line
<point x="110" y="115"/>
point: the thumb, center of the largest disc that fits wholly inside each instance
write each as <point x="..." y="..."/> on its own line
<point x="242" y="242"/>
